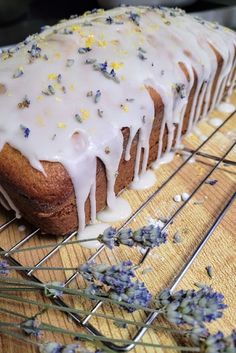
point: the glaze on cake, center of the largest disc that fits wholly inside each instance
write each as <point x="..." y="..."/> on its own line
<point x="67" y="93"/>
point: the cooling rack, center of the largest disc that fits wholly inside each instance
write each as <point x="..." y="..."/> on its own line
<point x="223" y="160"/>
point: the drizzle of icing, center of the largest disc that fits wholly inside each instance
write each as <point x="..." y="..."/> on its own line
<point x="90" y="232"/>
<point x="215" y="122"/>
<point x="119" y="61"/>
<point x="164" y="159"/>
<point x="7" y="203"/>
<point x="144" y="181"/>
<point x="226" y="107"/>
<point x="121" y="210"/>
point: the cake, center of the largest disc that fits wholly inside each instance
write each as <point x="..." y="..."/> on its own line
<point x="88" y="105"/>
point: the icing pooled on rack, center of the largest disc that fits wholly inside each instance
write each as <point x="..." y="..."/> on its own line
<point x="66" y="93"/>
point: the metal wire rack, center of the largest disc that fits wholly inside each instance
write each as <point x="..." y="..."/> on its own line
<point x="84" y="321"/>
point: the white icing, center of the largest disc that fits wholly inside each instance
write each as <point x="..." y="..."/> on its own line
<point x="144" y="181"/>
<point x="90" y="232"/>
<point x="215" y="122"/>
<point x="6" y="202"/>
<point x="164" y="159"/>
<point x="168" y="39"/>
<point x="121" y="210"/>
<point x="199" y="134"/>
<point x="226" y="107"/>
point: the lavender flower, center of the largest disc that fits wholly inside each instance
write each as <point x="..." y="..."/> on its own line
<point x="137" y="294"/>
<point x="190" y="306"/>
<point x="35" y="51"/>
<point x="4" y="268"/>
<point x="102" y="67"/>
<point x="54" y="347"/>
<point x="31" y="327"/>
<point x="118" y="277"/>
<point x="26" y="130"/>
<point x="134" y="17"/>
<point x="49" y="292"/>
<point x="148" y="237"/>
<point x="218" y="343"/>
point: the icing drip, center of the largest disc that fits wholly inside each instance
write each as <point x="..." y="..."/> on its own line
<point x="226" y="107"/>
<point x="91" y="232"/>
<point x="145" y="181"/>
<point x="95" y="79"/>
<point x="215" y="122"/>
<point x="7" y="203"/>
<point x="120" y="210"/>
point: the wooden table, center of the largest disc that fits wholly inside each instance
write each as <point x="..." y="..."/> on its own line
<point x="163" y="263"/>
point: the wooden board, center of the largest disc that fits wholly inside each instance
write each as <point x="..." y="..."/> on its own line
<point x="165" y="262"/>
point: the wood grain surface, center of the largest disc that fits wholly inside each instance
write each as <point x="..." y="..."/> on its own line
<point x="163" y="263"/>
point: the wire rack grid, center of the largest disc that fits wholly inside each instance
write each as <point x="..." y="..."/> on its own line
<point x="206" y="156"/>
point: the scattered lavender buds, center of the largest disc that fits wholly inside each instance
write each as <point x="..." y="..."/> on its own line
<point x="54" y="347"/>
<point x="53" y="292"/>
<point x="134" y="17"/>
<point x="84" y="50"/>
<point x="141" y="53"/>
<point x="4" y="268"/>
<point x="35" y="52"/>
<point x="31" y="327"/>
<point x="211" y="181"/>
<point x="209" y="270"/>
<point x="190" y="306"/>
<point x="148" y="237"/>
<point x="18" y="73"/>
<point x="109" y="20"/>
<point x="97" y="96"/>
<point x="26" y="130"/>
<point x="50" y="91"/>
<point x="102" y="67"/>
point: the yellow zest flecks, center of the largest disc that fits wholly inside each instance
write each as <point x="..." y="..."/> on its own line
<point x="125" y="108"/>
<point x="58" y="99"/>
<point x="72" y="87"/>
<point x="90" y="40"/>
<point x="84" y="114"/>
<point x="61" y="125"/>
<point x="40" y="121"/>
<point x="123" y="78"/>
<point x="102" y="43"/>
<point x="117" y="65"/>
<point x="76" y="28"/>
<point x="40" y="98"/>
<point x="115" y="42"/>
<point x="57" y="55"/>
<point x="142" y="88"/>
<point x="123" y="52"/>
<point x="52" y="77"/>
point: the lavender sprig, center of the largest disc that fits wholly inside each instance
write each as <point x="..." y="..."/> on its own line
<point x="190" y="306"/>
<point x="4" y="268"/>
<point x="31" y="327"/>
<point x="148" y="237"/>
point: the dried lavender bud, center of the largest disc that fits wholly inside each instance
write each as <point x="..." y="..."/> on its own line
<point x="190" y="306"/>
<point x="49" y="292"/>
<point x="148" y="236"/>
<point x="84" y="50"/>
<point x="109" y="20"/>
<point x="4" y="268"/>
<point x="35" y="51"/>
<point x="50" y="91"/>
<point x="211" y="181"/>
<point x="97" y="96"/>
<point x="25" y="130"/>
<point x="209" y="270"/>
<point x="54" y="347"/>
<point x="134" y="17"/>
<point x="31" y="327"/>
<point x="25" y="103"/>
<point x="18" y="73"/>
<point x="118" y="277"/>
<point x="218" y="343"/>
<point x="120" y="324"/>
<point x="136" y="294"/>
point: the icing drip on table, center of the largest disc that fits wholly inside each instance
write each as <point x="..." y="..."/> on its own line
<point x="144" y="181"/>
<point x="215" y="122"/>
<point x="66" y="93"/>
<point x="91" y="232"/>
<point x="226" y="107"/>
<point x="120" y="210"/>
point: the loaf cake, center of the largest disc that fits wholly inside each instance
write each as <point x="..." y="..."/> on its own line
<point x="86" y="106"/>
